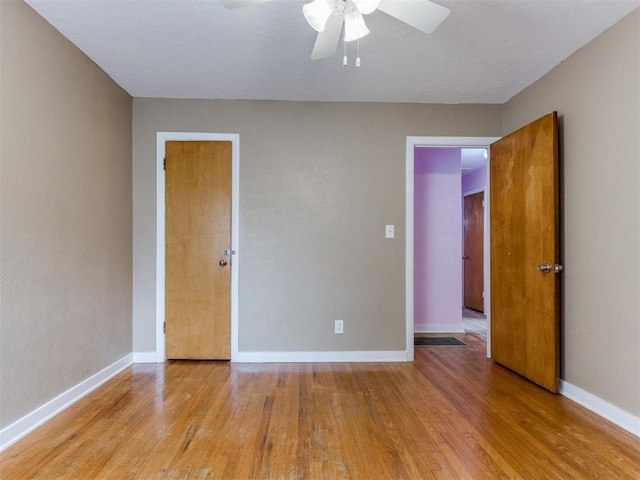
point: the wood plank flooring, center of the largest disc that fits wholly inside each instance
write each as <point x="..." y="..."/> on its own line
<point x="451" y="414"/>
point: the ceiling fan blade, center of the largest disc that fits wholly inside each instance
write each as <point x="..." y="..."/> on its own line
<point x="241" y="3"/>
<point x="421" y="14"/>
<point x="327" y="40"/>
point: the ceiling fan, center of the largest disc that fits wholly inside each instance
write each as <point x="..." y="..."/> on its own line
<point x="327" y="17"/>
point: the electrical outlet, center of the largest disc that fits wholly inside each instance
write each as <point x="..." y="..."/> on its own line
<point x="339" y="327"/>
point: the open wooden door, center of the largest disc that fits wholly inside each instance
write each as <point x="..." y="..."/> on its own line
<point x="198" y="243"/>
<point x="524" y="252"/>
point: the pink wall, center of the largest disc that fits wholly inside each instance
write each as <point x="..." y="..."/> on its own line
<point x="437" y="234"/>
<point x="474" y="180"/>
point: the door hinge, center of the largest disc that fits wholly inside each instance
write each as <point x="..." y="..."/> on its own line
<point x="164" y="327"/>
<point x="483" y="204"/>
<point x="483" y="294"/>
<point x="164" y="164"/>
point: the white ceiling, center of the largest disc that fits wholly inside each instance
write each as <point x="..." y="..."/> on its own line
<point x="471" y="159"/>
<point x="485" y="51"/>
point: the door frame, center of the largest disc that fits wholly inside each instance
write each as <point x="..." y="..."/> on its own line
<point x="161" y="138"/>
<point x="411" y="144"/>
<point x="485" y="239"/>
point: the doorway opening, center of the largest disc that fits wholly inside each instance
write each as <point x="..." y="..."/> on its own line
<point x="474" y="232"/>
<point x="436" y="142"/>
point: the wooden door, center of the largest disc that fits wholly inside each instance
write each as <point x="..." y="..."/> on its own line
<point x="197" y="233"/>
<point x="473" y="257"/>
<point x="524" y="235"/>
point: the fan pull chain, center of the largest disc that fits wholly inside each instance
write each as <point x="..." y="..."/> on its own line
<point x="358" y="41"/>
<point x="344" y="60"/>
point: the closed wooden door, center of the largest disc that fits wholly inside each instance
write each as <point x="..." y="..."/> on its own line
<point x="524" y="252"/>
<point x="473" y="231"/>
<point x="197" y="233"/>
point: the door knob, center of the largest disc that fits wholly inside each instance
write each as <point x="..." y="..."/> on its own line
<point x="222" y="263"/>
<point x="547" y="268"/>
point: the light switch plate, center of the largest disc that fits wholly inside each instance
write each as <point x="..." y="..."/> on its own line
<point x="389" y="231"/>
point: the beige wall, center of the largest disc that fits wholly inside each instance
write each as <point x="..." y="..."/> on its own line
<point x="597" y="95"/>
<point x="66" y="221"/>
<point x="318" y="184"/>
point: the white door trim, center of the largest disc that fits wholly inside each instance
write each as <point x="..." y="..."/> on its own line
<point x="412" y="143"/>
<point x="474" y="191"/>
<point x="161" y="138"/>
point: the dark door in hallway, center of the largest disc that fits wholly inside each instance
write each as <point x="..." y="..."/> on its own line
<point x="473" y="271"/>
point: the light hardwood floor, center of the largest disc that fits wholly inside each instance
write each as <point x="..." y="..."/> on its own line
<point x="452" y="414"/>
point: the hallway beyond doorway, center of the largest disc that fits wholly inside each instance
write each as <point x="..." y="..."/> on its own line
<point x="474" y="322"/>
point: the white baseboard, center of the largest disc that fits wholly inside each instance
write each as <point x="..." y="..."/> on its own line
<point x="144" y="357"/>
<point x="614" y="414"/>
<point x="18" y="429"/>
<point x="456" y="328"/>
<point x="299" y="357"/>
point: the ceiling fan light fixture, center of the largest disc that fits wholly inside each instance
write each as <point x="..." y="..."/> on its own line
<point x="317" y="13"/>
<point x="354" y="26"/>
<point x="366" y="6"/>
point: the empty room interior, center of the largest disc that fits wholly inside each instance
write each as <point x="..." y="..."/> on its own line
<point x="219" y="246"/>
